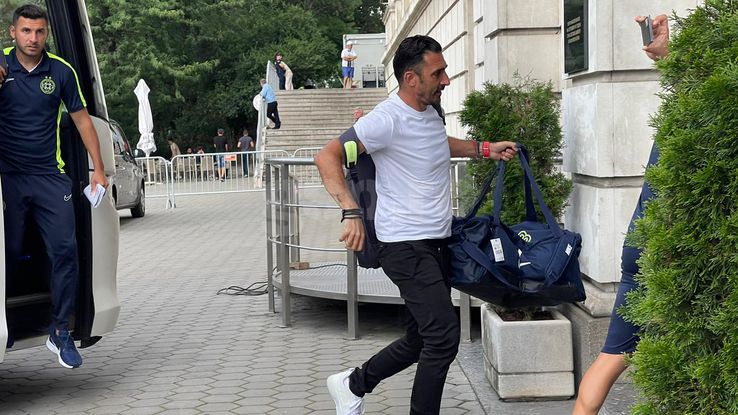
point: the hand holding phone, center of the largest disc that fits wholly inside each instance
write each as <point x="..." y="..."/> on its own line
<point x="655" y="35"/>
<point x="647" y="30"/>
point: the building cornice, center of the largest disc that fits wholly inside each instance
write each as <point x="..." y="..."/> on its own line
<point x="416" y="10"/>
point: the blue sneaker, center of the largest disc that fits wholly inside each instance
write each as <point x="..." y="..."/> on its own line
<point x="63" y="345"/>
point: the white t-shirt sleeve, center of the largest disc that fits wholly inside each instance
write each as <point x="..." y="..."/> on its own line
<point x="375" y="130"/>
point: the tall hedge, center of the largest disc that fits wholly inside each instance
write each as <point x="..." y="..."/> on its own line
<point x="527" y="112"/>
<point x="687" y="360"/>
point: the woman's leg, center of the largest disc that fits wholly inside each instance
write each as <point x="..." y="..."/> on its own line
<point x="596" y="383"/>
<point x="622" y="338"/>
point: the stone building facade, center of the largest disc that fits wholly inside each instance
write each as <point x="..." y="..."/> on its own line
<point x="605" y="110"/>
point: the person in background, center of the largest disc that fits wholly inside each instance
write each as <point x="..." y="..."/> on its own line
<point x="245" y="143"/>
<point x="358" y="113"/>
<point x="35" y="186"/>
<point x="174" y="148"/>
<point x="411" y="150"/>
<point x="221" y="146"/>
<point x="281" y="73"/>
<point x="271" y="99"/>
<point x="286" y="73"/>
<point x="622" y="336"/>
<point x="198" y="162"/>
<point x="348" y="56"/>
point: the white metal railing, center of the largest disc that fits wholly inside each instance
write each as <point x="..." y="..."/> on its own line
<point x="306" y="175"/>
<point x="283" y="237"/>
<point x="156" y="171"/>
<point x="194" y="174"/>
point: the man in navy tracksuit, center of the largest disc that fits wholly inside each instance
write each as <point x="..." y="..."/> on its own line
<point x="35" y="88"/>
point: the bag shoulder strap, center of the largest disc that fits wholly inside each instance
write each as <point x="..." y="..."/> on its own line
<point x="531" y="190"/>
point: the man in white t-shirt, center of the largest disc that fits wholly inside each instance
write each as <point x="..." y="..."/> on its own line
<point x="407" y="140"/>
<point x="348" y="56"/>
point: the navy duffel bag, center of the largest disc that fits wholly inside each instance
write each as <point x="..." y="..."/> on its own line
<point x="527" y="264"/>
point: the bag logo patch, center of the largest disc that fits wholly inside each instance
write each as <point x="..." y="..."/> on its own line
<point x="525" y="236"/>
<point x="48" y="86"/>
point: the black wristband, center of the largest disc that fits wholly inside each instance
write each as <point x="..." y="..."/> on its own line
<point x="351" y="214"/>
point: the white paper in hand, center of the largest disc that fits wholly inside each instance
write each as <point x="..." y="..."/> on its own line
<point x="97" y="198"/>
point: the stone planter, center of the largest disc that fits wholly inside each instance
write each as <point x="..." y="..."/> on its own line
<point x="528" y="359"/>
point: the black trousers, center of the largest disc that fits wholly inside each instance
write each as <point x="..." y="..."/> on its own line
<point x="46" y="199"/>
<point x="418" y="268"/>
<point x="273" y="114"/>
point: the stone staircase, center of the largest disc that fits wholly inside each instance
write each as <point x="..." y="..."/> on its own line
<point x="312" y="117"/>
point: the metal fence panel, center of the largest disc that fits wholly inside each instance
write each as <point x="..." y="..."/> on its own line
<point x="306" y="176"/>
<point x="156" y="174"/>
<point x="194" y="174"/>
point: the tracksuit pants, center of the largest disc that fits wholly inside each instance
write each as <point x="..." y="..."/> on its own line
<point x="46" y="199"/>
<point x="432" y="334"/>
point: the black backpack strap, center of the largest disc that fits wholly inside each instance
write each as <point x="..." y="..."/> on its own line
<point x="440" y="111"/>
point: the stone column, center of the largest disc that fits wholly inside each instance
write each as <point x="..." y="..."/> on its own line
<point x="523" y="38"/>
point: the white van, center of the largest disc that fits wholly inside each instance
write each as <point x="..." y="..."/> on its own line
<point x="25" y="318"/>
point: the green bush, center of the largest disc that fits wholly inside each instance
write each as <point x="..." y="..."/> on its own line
<point x="527" y="112"/>
<point x="687" y="359"/>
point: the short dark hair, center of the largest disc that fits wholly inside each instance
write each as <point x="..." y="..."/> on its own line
<point x="221" y="131"/>
<point x="30" y="11"/>
<point x="410" y="53"/>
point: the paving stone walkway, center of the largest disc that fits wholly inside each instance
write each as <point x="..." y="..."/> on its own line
<point x="181" y="349"/>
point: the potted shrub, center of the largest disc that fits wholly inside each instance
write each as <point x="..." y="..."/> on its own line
<point x="528" y="352"/>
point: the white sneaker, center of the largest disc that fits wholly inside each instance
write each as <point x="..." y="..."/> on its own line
<point x="346" y="402"/>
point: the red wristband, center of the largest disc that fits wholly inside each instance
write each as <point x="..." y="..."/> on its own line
<point x="485" y="149"/>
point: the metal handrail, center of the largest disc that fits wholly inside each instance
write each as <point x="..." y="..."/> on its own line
<point x="285" y="238"/>
<point x="271" y="78"/>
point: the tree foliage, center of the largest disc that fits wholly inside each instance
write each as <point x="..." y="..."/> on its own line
<point x="203" y="59"/>
<point x="687" y="306"/>
<point x="527" y="112"/>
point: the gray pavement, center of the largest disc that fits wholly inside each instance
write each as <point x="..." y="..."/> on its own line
<point x="181" y="349"/>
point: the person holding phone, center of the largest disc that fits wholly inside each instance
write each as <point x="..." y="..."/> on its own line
<point x="622" y="336"/>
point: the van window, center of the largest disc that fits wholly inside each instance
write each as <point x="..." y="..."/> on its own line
<point x="117" y="141"/>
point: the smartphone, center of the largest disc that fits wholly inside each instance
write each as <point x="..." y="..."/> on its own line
<point x="647" y="31"/>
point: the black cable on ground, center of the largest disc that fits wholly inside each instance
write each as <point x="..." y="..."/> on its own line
<point x="260" y="288"/>
<point x="257" y="288"/>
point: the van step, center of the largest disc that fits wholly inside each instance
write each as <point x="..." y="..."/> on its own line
<point x="23" y="300"/>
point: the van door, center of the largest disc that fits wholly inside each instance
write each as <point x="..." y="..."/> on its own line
<point x="98" y="305"/>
